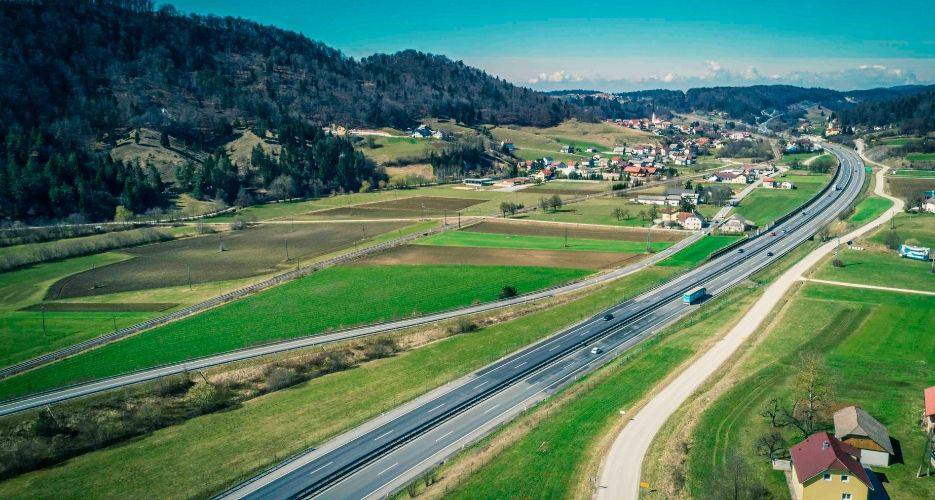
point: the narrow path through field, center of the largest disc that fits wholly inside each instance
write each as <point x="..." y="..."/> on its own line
<point x="621" y="470"/>
<point x="869" y="287"/>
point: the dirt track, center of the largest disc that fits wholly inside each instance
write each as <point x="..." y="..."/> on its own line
<point x="527" y="228"/>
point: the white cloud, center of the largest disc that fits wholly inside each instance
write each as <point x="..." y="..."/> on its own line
<point x="714" y="73"/>
<point x="555" y="77"/>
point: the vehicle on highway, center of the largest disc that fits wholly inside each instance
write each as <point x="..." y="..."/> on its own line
<point x="596" y="350"/>
<point x="740" y="250"/>
<point x="694" y="295"/>
<point x="769" y="254"/>
<point x="772" y="233"/>
<point x="608" y="317"/>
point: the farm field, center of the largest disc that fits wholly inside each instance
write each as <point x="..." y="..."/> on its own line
<point x="534" y="143"/>
<point x="595" y="211"/>
<point x="697" y="252"/>
<point x="416" y="255"/>
<point x="249" y="252"/>
<point x="763" y="206"/>
<point x="409" y="207"/>
<point x="800" y="157"/>
<point x="532" y="228"/>
<point x="905" y="172"/>
<point x="264" y="430"/>
<point x="530" y="242"/>
<point x="21" y="331"/>
<point x="913" y="157"/>
<point x="910" y="189"/>
<point x="853" y="333"/>
<point x="334" y="298"/>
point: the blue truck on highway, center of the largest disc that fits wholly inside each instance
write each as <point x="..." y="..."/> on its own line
<point x="695" y="295"/>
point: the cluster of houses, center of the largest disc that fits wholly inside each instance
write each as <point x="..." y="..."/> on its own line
<point x="802" y="145"/>
<point x="837" y="465"/>
<point x="745" y="174"/>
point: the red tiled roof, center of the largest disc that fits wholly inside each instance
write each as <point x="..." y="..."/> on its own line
<point x="633" y="169"/>
<point x="821" y="452"/>
<point x="930" y="401"/>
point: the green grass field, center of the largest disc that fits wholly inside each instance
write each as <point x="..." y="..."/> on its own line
<point x="857" y="333"/>
<point x="914" y="157"/>
<point x="919" y="174"/>
<point x="595" y="211"/>
<point x="763" y="206"/>
<point x="554" y="459"/>
<point x="334" y="298"/>
<point x="801" y="157"/>
<point x="490" y="240"/>
<point x="870" y="208"/>
<point x="400" y="148"/>
<point x="872" y="267"/>
<point x="21" y="332"/>
<point x="697" y="252"/>
<point x="182" y="461"/>
<point x="917" y="227"/>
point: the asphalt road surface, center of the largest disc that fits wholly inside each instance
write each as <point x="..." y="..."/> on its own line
<point x="383" y="455"/>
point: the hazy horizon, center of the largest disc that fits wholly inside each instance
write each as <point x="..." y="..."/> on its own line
<point x="619" y="46"/>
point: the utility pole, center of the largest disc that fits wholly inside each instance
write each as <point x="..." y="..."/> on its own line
<point x="459" y="219"/>
<point x="285" y="244"/>
<point x="189" y="276"/>
<point x="42" y="308"/>
<point x="566" y="237"/>
<point x="220" y="244"/>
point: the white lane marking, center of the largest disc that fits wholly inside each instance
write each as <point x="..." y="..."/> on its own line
<point x="388" y="468"/>
<point x="444" y="436"/>
<point x="482" y="384"/>
<point x="437" y="407"/>
<point x="381" y="436"/>
<point x="519" y="365"/>
<point x="554" y="348"/>
<point x="320" y="468"/>
<point x="492" y="408"/>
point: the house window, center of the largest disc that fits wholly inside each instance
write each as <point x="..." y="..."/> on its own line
<point x="844" y="478"/>
<point x="845" y="496"/>
<point x="827" y="477"/>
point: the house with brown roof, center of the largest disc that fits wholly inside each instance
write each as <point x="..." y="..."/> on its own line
<point x="854" y="426"/>
<point x="824" y="468"/>
<point x="928" y="410"/>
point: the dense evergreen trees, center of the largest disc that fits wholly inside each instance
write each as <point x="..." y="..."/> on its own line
<point x="913" y="114"/>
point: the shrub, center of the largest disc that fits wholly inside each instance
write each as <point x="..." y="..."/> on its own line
<point x="462" y="325"/>
<point x="837" y="263"/>
<point x="173" y="385"/>
<point x="381" y="348"/>
<point x="335" y="361"/>
<point x="281" y="377"/>
<point x="891" y="240"/>
<point x="508" y="292"/>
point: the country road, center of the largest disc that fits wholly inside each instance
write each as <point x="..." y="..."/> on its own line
<point x="621" y="469"/>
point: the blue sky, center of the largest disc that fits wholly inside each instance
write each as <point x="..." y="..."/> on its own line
<point x="627" y="45"/>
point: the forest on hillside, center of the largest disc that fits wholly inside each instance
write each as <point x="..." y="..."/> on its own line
<point x="79" y="75"/>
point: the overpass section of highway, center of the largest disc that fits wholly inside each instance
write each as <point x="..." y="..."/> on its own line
<point x="386" y="453"/>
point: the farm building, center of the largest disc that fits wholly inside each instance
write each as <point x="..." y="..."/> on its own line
<point x="736" y="224"/>
<point x="484" y="181"/>
<point x="928" y="410"/>
<point x="856" y="427"/>
<point x="824" y="468"/>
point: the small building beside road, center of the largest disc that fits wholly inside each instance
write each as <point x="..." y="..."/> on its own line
<point x="736" y="224"/>
<point x="824" y="468"/>
<point x="854" y="426"/>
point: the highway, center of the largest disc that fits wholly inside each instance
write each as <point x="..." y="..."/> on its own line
<point x="383" y="455"/>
